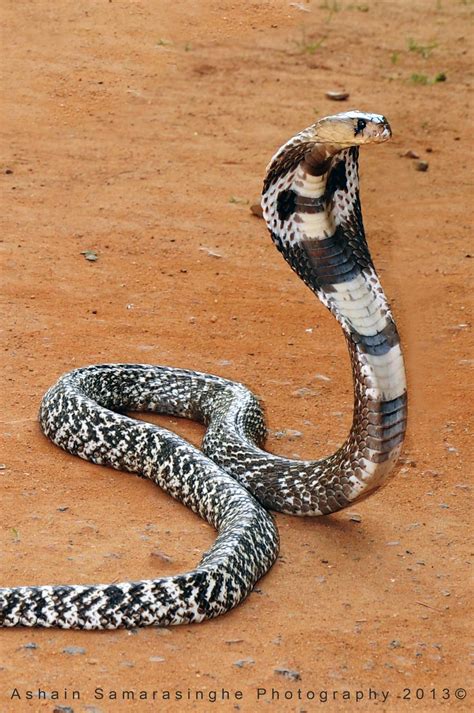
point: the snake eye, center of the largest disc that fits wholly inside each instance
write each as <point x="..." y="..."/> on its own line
<point x="361" y="124"/>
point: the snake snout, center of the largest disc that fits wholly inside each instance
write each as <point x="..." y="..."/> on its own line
<point x="379" y="131"/>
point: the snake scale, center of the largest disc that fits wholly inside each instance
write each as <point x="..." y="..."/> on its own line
<point x="311" y="206"/>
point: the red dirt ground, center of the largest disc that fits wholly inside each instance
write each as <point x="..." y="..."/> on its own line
<point x="142" y="131"/>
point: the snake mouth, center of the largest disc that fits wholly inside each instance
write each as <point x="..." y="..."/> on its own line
<point x="379" y="135"/>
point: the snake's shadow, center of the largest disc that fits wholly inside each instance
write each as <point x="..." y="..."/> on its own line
<point x="333" y="536"/>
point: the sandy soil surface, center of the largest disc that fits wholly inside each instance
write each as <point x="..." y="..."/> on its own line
<point x="141" y="131"/>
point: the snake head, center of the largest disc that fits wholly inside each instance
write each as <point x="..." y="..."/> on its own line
<point x="352" y="128"/>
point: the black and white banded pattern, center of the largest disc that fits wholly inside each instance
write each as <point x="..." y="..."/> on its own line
<point x="312" y="209"/>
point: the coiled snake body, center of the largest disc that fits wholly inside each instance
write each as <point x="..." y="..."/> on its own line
<point x="312" y="209"/>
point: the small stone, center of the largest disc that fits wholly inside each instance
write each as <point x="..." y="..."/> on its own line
<point x="8" y="171"/>
<point x="289" y="433"/>
<point x="74" y="650"/>
<point x="299" y="6"/>
<point x="288" y="673"/>
<point x="395" y="644"/>
<point x="90" y="255"/>
<point x="303" y="392"/>
<point x="355" y="518"/>
<point x="257" y="210"/>
<point x="422" y="165"/>
<point x="410" y="154"/>
<point x="459" y="327"/>
<point x="2" y="466"/>
<point x="62" y="509"/>
<point x="30" y="645"/>
<point x="233" y="641"/>
<point x="63" y="709"/>
<point x="156" y="659"/>
<point x="161" y="556"/>
<point x="210" y="251"/>
<point x="337" y="96"/>
<point x="393" y="543"/>
<point x="241" y="663"/>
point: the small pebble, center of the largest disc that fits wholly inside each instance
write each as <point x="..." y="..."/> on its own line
<point x="257" y="210"/>
<point x="304" y="391"/>
<point x="63" y="709"/>
<point x="337" y="96"/>
<point x="288" y="673"/>
<point x="156" y="659"/>
<point x="90" y="255"/>
<point x="210" y="252"/>
<point x="287" y="433"/>
<point x="74" y="650"/>
<point x="241" y="663"/>
<point x="299" y="6"/>
<point x="410" y="154"/>
<point x="322" y="377"/>
<point x="161" y="556"/>
<point x="30" y="645"/>
<point x="422" y="165"/>
<point x="355" y="518"/>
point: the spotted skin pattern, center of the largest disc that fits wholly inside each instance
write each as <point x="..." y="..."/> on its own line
<point x="312" y="209"/>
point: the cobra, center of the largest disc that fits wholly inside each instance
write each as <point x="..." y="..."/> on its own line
<point x="312" y="209"/>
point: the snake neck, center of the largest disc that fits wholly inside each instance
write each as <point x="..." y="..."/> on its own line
<point x="312" y="209"/>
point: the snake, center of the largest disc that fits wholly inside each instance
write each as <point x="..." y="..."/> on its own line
<point x="311" y="206"/>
